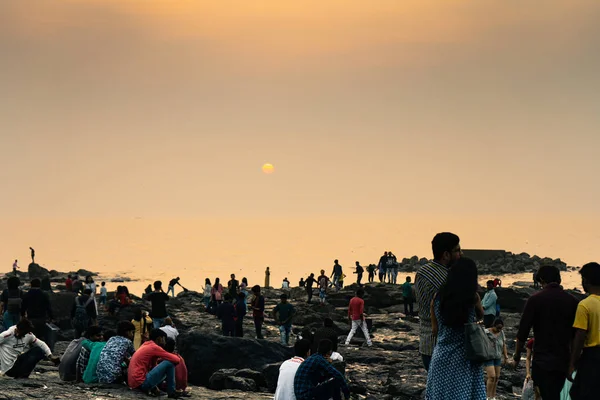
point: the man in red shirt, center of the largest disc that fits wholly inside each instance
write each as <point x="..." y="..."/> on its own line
<point x="69" y="284"/>
<point x="143" y="372"/>
<point x="356" y="314"/>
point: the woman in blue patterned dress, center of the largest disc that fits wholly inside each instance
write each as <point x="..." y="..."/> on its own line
<point x="451" y="376"/>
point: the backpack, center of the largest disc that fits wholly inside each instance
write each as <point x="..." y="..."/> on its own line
<point x="13" y="305"/>
<point x="81" y="319"/>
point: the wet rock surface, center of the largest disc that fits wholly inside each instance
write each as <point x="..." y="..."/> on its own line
<point x="247" y="368"/>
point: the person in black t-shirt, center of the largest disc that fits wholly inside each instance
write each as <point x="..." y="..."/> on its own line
<point x="226" y="313"/>
<point x="172" y="283"/>
<point x="159" y="305"/>
<point x="233" y="286"/>
<point x="308" y="284"/>
<point x="359" y="273"/>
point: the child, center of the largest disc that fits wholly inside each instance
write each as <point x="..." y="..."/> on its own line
<point x="103" y="293"/>
<point x="528" y="362"/>
<point x="283" y="314"/>
<point x="226" y="313"/>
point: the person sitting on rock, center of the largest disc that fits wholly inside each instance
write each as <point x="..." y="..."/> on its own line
<point x="316" y="378"/>
<point x="357" y="316"/>
<point x="67" y="370"/>
<point x="170" y="329"/>
<point x="489" y="305"/>
<point x="326" y="332"/>
<point x="287" y="371"/>
<point x="20" y="351"/>
<point x="115" y="354"/>
<point x="285" y="284"/>
<point x="94" y="350"/>
<point x="323" y="284"/>
<point x="181" y="371"/>
<point x="226" y="313"/>
<point x="283" y="314"/>
<point x="144" y="374"/>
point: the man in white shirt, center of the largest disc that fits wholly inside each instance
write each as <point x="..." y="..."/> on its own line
<point x="20" y="351"/>
<point x="287" y="371"/>
<point x="170" y="329"/>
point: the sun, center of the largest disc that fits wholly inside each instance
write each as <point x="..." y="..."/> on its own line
<point x="268" y="168"/>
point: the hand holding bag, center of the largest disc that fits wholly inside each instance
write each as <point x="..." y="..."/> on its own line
<point x="478" y="346"/>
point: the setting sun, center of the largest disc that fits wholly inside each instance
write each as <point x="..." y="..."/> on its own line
<point x="268" y="168"/>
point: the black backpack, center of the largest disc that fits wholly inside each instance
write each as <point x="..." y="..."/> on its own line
<point x="81" y="320"/>
<point x="13" y="305"/>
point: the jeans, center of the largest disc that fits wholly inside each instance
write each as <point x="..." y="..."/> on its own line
<point x="363" y="325"/>
<point x="394" y="275"/>
<point x="408" y="306"/>
<point x="26" y="362"/>
<point x="336" y="280"/>
<point x="371" y="277"/>
<point x="309" y="292"/>
<point x="158" y="322"/>
<point x="381" y="276"/>
<point x="258" y="322"/>
<point x="163" y="371"/>
<point x="389" y="275"/>
<point x="284" y="331"/>
<point x="330" y="389"/>
<point x="426" y="361"/>
<point x="171" y="290"/>
<point x="358" y="279"/>
<point x="102" y="300"/>
<point x="10" y="319"/>
<point x="206" y="301"/>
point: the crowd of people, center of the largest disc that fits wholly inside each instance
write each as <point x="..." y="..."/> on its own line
<point x="142" y="352"/>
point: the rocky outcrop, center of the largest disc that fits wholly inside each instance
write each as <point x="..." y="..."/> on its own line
<point x="37" y="271"/>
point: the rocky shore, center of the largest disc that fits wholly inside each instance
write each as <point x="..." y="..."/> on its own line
<point x="246" y="368"/>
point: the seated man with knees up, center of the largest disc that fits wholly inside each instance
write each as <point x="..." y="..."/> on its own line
<point x="145" y="375"/>
<point x="20" y="350"/>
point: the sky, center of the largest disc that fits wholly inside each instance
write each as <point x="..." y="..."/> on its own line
<point x="418" y="112"/>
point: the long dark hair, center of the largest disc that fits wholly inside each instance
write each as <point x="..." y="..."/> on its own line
<point x="217" y="283"/>
<point x="457" y="296"/>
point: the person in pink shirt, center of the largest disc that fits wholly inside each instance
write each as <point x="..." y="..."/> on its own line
<point x="144" y="374"/>
<point x="356" y="314"/>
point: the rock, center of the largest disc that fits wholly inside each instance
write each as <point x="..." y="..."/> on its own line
<point x="36" y="271"/>
<point x="84" y="272"/>
<point x="271" y="373"/>
<point x="207" y="353"/>
<point x="256" y="376"/>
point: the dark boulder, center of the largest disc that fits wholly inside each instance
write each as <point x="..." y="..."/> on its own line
<point x="37" y="271"/>
<point x="227" y="379"/>
<point x="205" y="354"/>
<point x="61" y="304"/>
<point x="271" y="373"/>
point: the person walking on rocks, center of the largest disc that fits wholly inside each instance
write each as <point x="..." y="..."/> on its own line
<point x="382" y="265"/>
<point x="551" y="313"/>
<point x="159" y="305"/>
<point x="408" y="297"/>
<point x="493" y="367"/>
<point x="356" y="315"/>
<point x="171" y="288"/>
<point x="258" y="310"/>
<point x="283" y="313"/>
<point x="336" y="273"/>
<point x="310" y="281"/>
<point x="15" y="267"/>
<point x="489" y="305"/>
<point x="267" y="278"/>
<point x="428" y="281"/>
<point x="371" y="270"/>
<point x="287" y="371"/>
<point x="586" y="345"/>
<point x="451" y="376"/>
<point x="391" y="268"/>
<point x="323" y="284"/>
<point x="359" y="273"/>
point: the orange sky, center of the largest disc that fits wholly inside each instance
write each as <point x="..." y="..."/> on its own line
<point x="370" y="112"/>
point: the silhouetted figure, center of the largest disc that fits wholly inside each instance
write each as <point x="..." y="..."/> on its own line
<point x="15" y="267"/>
<point x="32" y="255"/>
<point x="267" y="278"/>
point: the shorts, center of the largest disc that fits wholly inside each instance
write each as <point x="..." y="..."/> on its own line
<point x="322" y="293"/>
<point x="493" y="363"/>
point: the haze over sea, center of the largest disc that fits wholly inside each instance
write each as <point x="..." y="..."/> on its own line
<point x="150" y="249"/>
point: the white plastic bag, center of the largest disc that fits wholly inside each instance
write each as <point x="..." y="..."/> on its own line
<point x="528" y="390"/>
<point x="564" y="395"/>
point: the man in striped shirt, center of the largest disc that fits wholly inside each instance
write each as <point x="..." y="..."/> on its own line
<point x="428" y="281"/>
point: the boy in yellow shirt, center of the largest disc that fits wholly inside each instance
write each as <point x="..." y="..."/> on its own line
<point x="585" y="356"/>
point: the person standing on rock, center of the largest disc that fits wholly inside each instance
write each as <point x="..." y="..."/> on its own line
<point x="12" y="302"/>
<point x="336" y="273"/>
<point x="142" y="323"/>
<point x="585" y="356"/>
<point x="37" y="308"/>
<point x="283" y="313"/>
<point x="493" y="367"/>
<point x="551" y="313"/>
<point x="20" y="351"/>
<point x="267" y="278"/>
<point x="15" y="267"/>
<point x="371" y="270"/>
<point x="258" y="310"/>
<point x="489" y="305"/>
<point x="359" y="273"/>
<point x="382" y="265"/>
<point x="32" y="255"/>
<point x="408" y="297"/>
<point x="232" y="287"/>
<point x="317" y="379"/>
<point x="323" y="284"/>
<point x="356" y="315"/>
<point x="159" y="305"/>
<point x="308" y="284"/>
<point x="83" y="312"/>
<point x="207" y="292"/>
<point x="287" y="371"/>
<point x="390" y="267"/>
<point x="240" y="313"/>
<point x="428" y="281"/>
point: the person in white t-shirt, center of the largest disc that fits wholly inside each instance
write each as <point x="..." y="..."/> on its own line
<point x="287" y="371"/>
<point x="170" y="329"/>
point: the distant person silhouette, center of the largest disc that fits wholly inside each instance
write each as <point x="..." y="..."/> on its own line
<point x="15" y="267"/>
<point x="267" y="278"/>
<point x="32" y="255"/>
